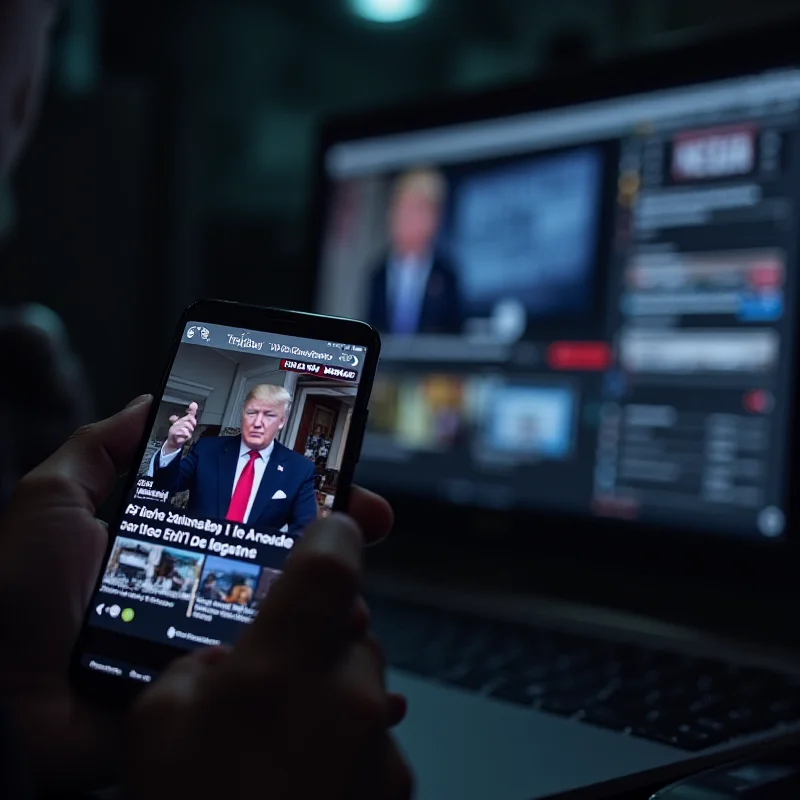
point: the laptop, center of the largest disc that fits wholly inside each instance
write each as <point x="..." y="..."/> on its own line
<point x="587" y="290"/>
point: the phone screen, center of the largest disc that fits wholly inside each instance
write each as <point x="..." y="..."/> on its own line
<point x="246" y="450"/>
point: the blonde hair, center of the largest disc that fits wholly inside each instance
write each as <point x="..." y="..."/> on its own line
<point x="270" y="393"/>
<point x="428" y="182"/>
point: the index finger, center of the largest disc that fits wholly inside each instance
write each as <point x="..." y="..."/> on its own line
<point x="372" y="513"/>
<point x="192" y="410"/>
<point x="308" y="610"/>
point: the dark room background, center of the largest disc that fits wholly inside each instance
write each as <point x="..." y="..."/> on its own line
<point x="174" y="157"/>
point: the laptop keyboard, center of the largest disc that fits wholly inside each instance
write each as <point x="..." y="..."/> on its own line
<point x="689" y="703"/>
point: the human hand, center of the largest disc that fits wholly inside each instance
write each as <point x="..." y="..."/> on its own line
<point x="44" y="397"/>
<point x="181" y="429"/>
<point x="301" y="696"/>
<point x="51" y="550"/>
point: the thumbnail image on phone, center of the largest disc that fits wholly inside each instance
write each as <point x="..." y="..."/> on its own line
<point x="251" y="440"/>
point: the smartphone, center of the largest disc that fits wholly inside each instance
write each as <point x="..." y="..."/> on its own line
<point x="255" y="433"/>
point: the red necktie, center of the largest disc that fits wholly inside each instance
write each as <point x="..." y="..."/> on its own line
<point x="241" y="494"/>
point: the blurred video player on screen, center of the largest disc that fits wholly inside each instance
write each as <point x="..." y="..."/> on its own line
<point x="585" y="309"/>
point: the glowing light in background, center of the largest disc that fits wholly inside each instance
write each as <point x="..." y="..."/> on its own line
<point x="389" y="11"/>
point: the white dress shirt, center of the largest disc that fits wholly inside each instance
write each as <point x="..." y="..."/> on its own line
<point x="259" y="465"/>
<point x="407" y="283"/>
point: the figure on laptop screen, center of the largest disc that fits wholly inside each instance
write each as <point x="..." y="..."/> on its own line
<point x="251" y="478"/>
<point x="415" y="289"/>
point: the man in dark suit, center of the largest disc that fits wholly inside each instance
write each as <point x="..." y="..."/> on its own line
<point x="415" y="289"/>
<point x="250" y="478"/>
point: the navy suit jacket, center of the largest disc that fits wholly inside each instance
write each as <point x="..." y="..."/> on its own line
<point x="208" y="470"/>
<point x="441" y="307"/>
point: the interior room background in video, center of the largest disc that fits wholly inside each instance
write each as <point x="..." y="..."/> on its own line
<point x="522" y="231"/>
<point x="317" y="424"/>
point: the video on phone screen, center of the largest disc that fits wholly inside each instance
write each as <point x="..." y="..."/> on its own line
<point x="245" y="452"/>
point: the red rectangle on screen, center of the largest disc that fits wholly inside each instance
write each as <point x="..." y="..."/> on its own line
<point x="582" y="356"/>
<point x="714" y="153"/>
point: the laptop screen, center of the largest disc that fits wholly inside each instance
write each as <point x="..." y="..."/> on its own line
<point x="587" y="310"/>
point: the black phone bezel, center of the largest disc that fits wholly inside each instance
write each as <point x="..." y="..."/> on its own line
<point x="152" y="657"/>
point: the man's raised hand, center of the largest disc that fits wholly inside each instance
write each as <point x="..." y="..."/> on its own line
<point x="181" y="429"/>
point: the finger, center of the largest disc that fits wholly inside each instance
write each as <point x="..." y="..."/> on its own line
<point x="360" y="704"/>
<point x="95" y="456"/>
<point x="174" y="418"/>
<point x="309" y="608"/>
<point x="369" y="641"/>
<point x="398" y="708"/>
<point x="359" y="617"/>
<point x="163" y="713"/>
<point x="184" y="430"/>
<point x="396" y="705"/>
<point x="178" y="685"/>
<point x="360" y="694"/>
<point x="373" y="514"/>
<point x="192" y="410"/>
<point x="185" y="426"/>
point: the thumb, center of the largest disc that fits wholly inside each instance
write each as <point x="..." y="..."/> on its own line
<point x="177" y="686"/>
<point x="174" y="418"/>
<point x="162" y="717"/>
<point x="96" y="455"/>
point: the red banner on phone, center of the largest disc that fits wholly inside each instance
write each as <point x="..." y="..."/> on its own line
<point x="327" y="371"/>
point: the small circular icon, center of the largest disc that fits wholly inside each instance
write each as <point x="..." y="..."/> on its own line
<point x="771" y="521"/>
<point x="114" y="611"/>
<point x="170" y="633"/>
<point x="127" y="614"/>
